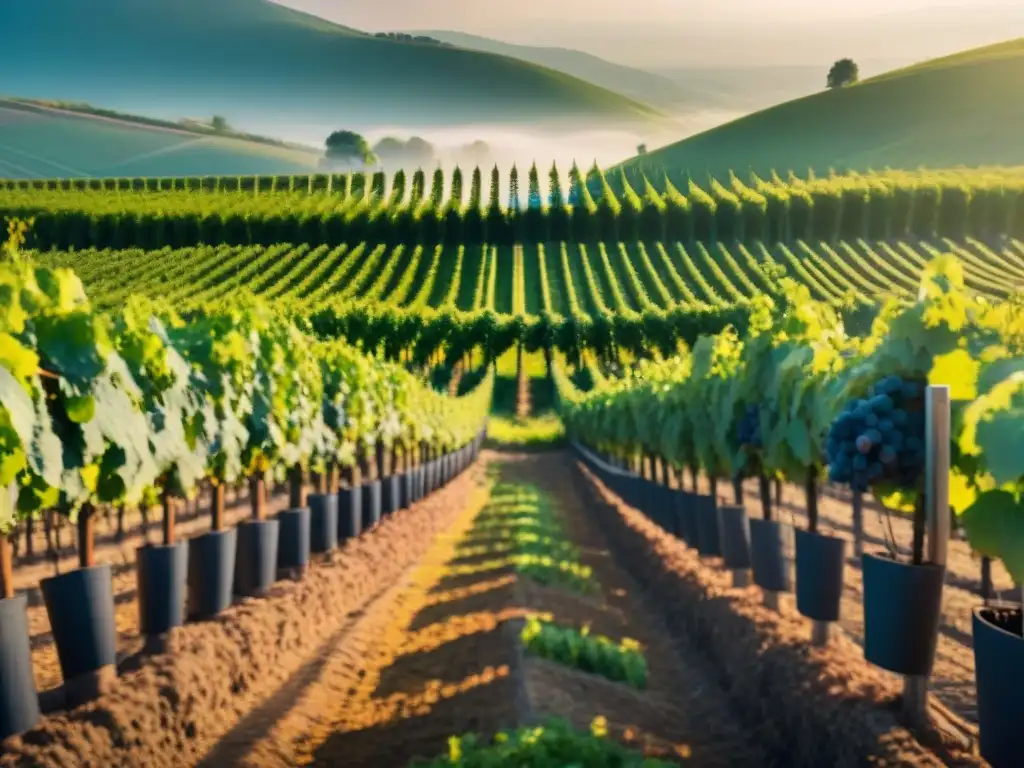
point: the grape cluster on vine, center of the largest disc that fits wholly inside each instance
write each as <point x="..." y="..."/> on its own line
<point x="880" y="439"/>
<point x="749" y="427"/>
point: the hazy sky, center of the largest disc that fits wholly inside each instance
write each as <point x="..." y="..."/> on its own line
<point x="665" y="33"/>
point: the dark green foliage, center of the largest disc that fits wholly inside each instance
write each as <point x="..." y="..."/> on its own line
<point x="843" y="72"/>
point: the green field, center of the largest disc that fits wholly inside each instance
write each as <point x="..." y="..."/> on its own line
<point x="43" y="143"/>
<point x="253" y="60"/>
<point x="960" y="110"/>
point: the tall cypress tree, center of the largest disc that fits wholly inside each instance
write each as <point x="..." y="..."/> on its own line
<point x="495" y="231"/>
<point x="533" y="201"/>
<point x="574" y="185"/>
<point x="474" y="188"/>
<point x="456" y="194"/>
<point x="419" y="182"/>
<point x="437" y="188"/>
<point x="473" y="218"/>
<point x="495" y="201"/>
<point x="513" y="190"/>
<point x="555" y="188"/>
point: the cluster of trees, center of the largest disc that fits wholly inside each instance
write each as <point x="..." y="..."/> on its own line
<point x="347" y="149"/>
<point x="404" y="37"/>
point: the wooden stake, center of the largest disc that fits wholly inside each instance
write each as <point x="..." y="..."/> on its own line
<point x="6" y="569"/>
<point x="258" y="497"/>
<point x="217" y="506"/>
<point x="766" y="496"/>
<point x="296" y="488"/>
<point x="858" y="524"/>
<point x="167" y="502"/>
<point x="86" y="537"/>
<point x="811" y="490"/>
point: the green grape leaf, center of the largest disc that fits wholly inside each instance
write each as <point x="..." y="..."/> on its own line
<point x="20" y="360"/>
<point x="995" y="528"/>
<point x="959" y="371"/>
<point x="799" y="441"/>
<point x="18" y="405"/>
<point x="1001" y="436"/>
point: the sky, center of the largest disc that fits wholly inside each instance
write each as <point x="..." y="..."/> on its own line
<point x="670" y="33"/>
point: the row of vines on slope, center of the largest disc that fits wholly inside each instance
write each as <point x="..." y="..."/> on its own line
<point x="878" y="206"/>
<point x="793" y="396"/>
<point x="140" y="404"/>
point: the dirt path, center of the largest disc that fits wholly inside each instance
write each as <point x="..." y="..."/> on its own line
<point x="439" y="654"/>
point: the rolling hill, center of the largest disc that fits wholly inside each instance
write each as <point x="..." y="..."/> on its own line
<point x="247" y="58"/>
<point x="965" y="109"/>
<point x="637" y="84"/>
<point x="40" y="142"/>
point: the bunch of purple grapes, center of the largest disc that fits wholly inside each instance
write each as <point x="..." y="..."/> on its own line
<point x="880" y="439"/>
<point x="749" y="428"/>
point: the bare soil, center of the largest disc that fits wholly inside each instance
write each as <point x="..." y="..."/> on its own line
<point x="808" y="706"/>
<point x="223" y="681"/>
<point x="953" y="673"/>
<point x="120" y="555"/>
<point x="392" y="644"/>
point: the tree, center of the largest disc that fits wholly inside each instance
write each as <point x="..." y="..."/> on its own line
<point x="476" y="153"/>
<point x="219" y="123"/>
<point x="349" y="148"/>
<point x="843" y="72"/>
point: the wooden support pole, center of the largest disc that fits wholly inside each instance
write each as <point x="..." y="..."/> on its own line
<point x="258" y="497"/>
<point x="6" y="569"/>
<point x="167" y="502"/>
<point x="87" y="537"/>
<point x="217" y="494"/>
<point x="936" y="525"/>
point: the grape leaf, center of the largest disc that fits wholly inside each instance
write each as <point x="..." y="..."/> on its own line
<point x="995" y="527"/>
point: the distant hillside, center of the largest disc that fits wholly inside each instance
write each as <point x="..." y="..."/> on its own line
<point x="40" y="142"/>
<point x="244" y="58"/>
<point x="960" y="110"/>
<point x="638" y="84"/>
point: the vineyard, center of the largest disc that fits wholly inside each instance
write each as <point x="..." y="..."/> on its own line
<point x="322" y="386"/>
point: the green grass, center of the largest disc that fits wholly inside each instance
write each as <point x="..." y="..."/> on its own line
<point x="534" y="432"/>
<point x="958" y="110"/>
<point x="49" y="143"/>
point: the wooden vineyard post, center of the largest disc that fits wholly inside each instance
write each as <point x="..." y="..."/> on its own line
<point x="87" y="537"/>
<point x="167" y="502"/>
<point x="6" y="569"/>
<point x="766" y="496"/>
<point x="937" y="421"/>
<point x="258" y="497"/>
<point x="296" y="488"/>
<point x="986" y="579"/>
<point x="858" y="524"/>
<point x="217" y="493"/>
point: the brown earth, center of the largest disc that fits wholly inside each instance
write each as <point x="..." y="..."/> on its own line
<point x="808" y="706"/>
<point x="120" y="555"/>
<point x="223" y="678"/>
<point x="953" y="673"/>
<point x="395" y="642"/>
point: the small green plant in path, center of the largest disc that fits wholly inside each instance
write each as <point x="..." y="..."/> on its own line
<point x="520" y="528"/>
<point x="553" y="745"/>
<point x="622" y="662"/>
